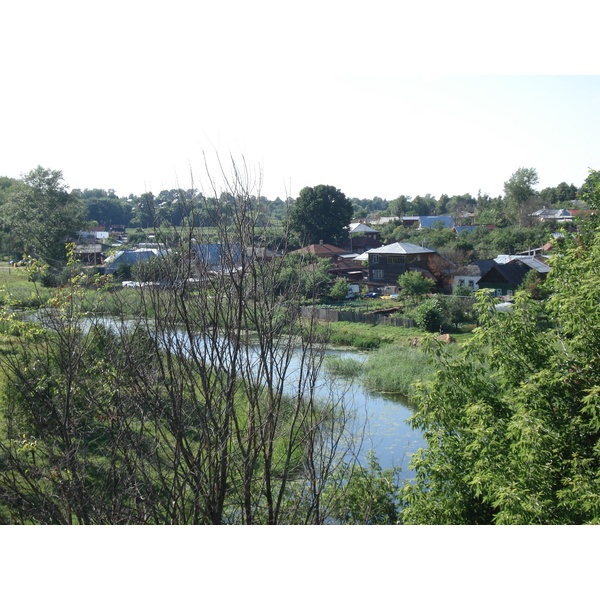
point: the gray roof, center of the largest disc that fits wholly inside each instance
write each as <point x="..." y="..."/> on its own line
<point x="534" y="263"/>
<point x="130" y="257"/>
<point x="361" y="228"/>
<point x="400" y="248"/>
<point x="88" y="248"/>
<point x="552" y="213"/>
<point x="530" y="261"/>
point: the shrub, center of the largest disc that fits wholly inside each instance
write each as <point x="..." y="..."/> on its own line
<point x="430" y="314"/>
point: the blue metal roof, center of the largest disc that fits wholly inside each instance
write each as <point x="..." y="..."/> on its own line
<point x="429" y="222"/>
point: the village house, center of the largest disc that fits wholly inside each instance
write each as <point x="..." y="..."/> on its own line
<point x="361" y="238"/>
<point x="130" y="258"/>
<point x="91" y="254"/>
<point x="469" y="275"/>
<point x="343" y="263"/>
<point x="503" y="275"/>
<point x="216" y="256"/>
<point x="557" y="215"/>
<point x="323" y="251"/>
<point x="445" y="221"/>
<point x="504" y="278"/>
<point x="388" y="263"/>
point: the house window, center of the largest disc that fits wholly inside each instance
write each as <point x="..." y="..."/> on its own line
<point x="471" y="283"/>
<point x="395" y="260"/>
<point x="509" y="293"/>
<point x="413" y="258"/>
<point x="498" y="292"/>
<point x="375" y="258"/>
<point x="377" y="273"/>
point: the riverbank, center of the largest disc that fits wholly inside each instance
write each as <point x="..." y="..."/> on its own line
<point x="370" y="337"/>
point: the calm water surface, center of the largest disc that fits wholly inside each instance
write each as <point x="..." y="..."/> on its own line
<point x="381" y="418"/>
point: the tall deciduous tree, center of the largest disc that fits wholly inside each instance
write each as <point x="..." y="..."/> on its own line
<point x="321" y="213"/>
<point x="42" y="211"/>
<point x="513" y="424"/>
<point x="520" y="194"/>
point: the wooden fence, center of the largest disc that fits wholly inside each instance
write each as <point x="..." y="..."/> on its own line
<point x="373" y="318"/>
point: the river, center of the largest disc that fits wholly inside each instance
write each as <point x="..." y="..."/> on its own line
<point x="380" y="419"/>
<point x="384" y="417"/>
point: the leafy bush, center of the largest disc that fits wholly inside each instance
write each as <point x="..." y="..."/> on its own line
<point x="430" y="314"/>
<point x="413" y="284"/>
<point x="365" y="495"/>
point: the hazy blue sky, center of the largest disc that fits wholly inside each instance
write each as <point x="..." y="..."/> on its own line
<point x="379" y="99"/>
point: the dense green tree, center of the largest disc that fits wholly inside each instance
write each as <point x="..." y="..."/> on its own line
<point x="88" y="194"/>
<point x="560" y="196"/>
<point x="5" y="184"/>
<point x="422" y="206"/>
<point x="307" y="274"/>
<point x="512" y="424"/>
<point x="43" y="214"/>
<point x="339" y="290"/>
<point x="533" y="285"/>
<point x="321" y="213"/>
<point x="587" y="187"/>
<point x="108" y="211"/>
<point x="442" y="204"/>
<point x="399" y="206"/>
<point x="490" y="211"/>
<point x="459" y="204"/>
<point x="10" y="243"/>
<point x="366" y="495"/>
<point x="144" y="211"/>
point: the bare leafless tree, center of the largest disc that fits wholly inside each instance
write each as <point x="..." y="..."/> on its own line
<point x="200" y="401"/>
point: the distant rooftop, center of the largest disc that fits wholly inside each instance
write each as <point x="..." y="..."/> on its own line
<point x="400" y="248"/>
<point x="530" y="261"/>
<point x="429" y="222"/>
<point x="360" y="228"/>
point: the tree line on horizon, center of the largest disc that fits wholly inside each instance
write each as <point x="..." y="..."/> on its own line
<point x="39" y="212"/>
